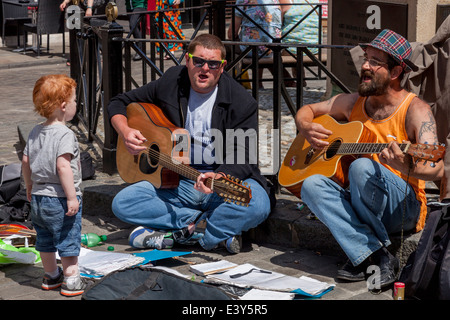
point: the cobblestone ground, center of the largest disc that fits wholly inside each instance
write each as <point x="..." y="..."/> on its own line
<point x="16" y="104"/>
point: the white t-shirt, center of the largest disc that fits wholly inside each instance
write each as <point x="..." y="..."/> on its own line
<point x="198" y="124"/>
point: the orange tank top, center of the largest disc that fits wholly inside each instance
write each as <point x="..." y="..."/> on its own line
<point x="393" y="129"/>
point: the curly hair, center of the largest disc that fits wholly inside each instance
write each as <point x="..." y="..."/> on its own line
<point x="50" y="92"/>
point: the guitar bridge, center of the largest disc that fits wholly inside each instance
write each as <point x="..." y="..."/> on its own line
<point x="309" y="155"/>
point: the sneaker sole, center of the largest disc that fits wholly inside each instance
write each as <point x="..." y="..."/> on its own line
<point x="71" y="293"/>
<point x="47" y="287"/>
<point x="233" y="247"/>
<point x="350" y="278"/>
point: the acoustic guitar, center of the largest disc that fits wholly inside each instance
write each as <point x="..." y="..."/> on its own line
<point x="347" y="142"/>
<point x="161" y="163"/>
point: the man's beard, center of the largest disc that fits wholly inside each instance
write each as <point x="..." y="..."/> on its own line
<point x="376" y="87"/>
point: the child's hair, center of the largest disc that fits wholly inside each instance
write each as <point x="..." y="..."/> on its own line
<point x="50" y="92"/>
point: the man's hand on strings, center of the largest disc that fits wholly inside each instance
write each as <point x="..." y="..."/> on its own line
<point x="200" y="185"/>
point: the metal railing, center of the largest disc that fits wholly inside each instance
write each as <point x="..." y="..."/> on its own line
<point x="101" y="63"/>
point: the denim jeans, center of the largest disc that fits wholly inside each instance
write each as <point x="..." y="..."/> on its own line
<point x="361" y="217"/>
<point x="55" y="230"/>
<point x="174" y="209"/>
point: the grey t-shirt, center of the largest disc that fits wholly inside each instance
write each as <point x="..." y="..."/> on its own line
<point x="45" y="144"/>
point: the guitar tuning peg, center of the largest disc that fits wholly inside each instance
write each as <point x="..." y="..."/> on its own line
<point x="237" y="180"/>
<point x="228" y="176"/>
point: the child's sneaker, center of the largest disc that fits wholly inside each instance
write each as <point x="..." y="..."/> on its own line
<point x="73" y="289"/>
<point x="49" y="283"/>
<point x="142" y="237"/>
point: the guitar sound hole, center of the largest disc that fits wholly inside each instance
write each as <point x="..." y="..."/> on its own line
<point x="332" y="149"/>
<point x="144" y="166"/>
<point x="153" y="155"/>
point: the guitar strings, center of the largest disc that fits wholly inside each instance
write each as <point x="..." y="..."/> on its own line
<point x="189" y="172"/>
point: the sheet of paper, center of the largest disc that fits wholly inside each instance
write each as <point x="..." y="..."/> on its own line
<point x="256" y="294"/>
<point x="272" y="281"/>
<point x="212" y="267"/>
<point x="101" y="263"/>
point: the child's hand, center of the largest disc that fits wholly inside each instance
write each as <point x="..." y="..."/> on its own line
<point x="72" y="207"/>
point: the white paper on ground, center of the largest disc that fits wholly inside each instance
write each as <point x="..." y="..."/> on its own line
<point x="101" y="263"/>
<point x="212" y="267"/>
<point x="256" y="294"/>
<point x="273" y="281"/>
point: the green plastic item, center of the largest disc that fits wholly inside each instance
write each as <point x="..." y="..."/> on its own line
<point x="92" y="239"/>
<point x="10" y="254"/>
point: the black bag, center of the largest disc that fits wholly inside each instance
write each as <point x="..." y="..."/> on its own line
<point x="140" y="283"/>
<point x="427" y="271"/>
<point x="9" y="181"/>
<point x="87" y="168"/>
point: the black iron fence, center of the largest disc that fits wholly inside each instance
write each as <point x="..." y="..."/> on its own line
<point x="101" y="62"/>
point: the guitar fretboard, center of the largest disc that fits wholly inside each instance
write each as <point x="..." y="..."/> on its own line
<point x="365" y="148"/>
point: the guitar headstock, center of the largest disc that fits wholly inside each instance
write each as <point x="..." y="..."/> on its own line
<point x="427" y="152"/>
<point x="233" y="190"/>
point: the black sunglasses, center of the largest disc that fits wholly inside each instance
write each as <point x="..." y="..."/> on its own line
<point x="199" y="62"/>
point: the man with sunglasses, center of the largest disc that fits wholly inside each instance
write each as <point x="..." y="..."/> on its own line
<point x="201" y="98"/>
<point x="386" y="191"/>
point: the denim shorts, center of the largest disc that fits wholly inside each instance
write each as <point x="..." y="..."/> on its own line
<point x="55" y="230"/>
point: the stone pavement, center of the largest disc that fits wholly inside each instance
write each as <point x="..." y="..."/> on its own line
<point x="288" y="242"/>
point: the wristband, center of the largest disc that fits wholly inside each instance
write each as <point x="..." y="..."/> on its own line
<point x="89" y="7"/>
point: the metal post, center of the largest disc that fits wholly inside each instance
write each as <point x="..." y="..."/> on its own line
<point x="112" y="85"/>
<point x="277" y="80"/>
<point x="73" y="54"/>
<point x="219" y="19"/>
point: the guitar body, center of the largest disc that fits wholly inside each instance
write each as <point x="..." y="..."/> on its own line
<point x="152" y="123"/>
<point x="302" y="161"/>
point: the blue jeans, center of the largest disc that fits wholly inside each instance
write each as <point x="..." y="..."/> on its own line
<point x="55" y="230"/>
<point x="361" y="217"/>
<point x="174" y="209"/>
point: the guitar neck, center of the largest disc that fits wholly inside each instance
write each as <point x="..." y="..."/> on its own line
<point x="367" y="148"/>
<point x="180" y="168"/>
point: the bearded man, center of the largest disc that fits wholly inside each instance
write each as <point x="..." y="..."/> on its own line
<point x="386" y="191"/>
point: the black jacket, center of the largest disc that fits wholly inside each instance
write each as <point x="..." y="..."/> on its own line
<point x="234" y="109"/>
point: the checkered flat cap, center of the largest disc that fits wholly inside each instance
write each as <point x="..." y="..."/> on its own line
<point x="396" y="46"/>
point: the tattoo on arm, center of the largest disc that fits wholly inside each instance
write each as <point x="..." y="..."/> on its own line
<point x="428" y="128"/>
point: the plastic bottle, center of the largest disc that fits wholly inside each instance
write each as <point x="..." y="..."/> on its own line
<point x="92" y="239"/>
